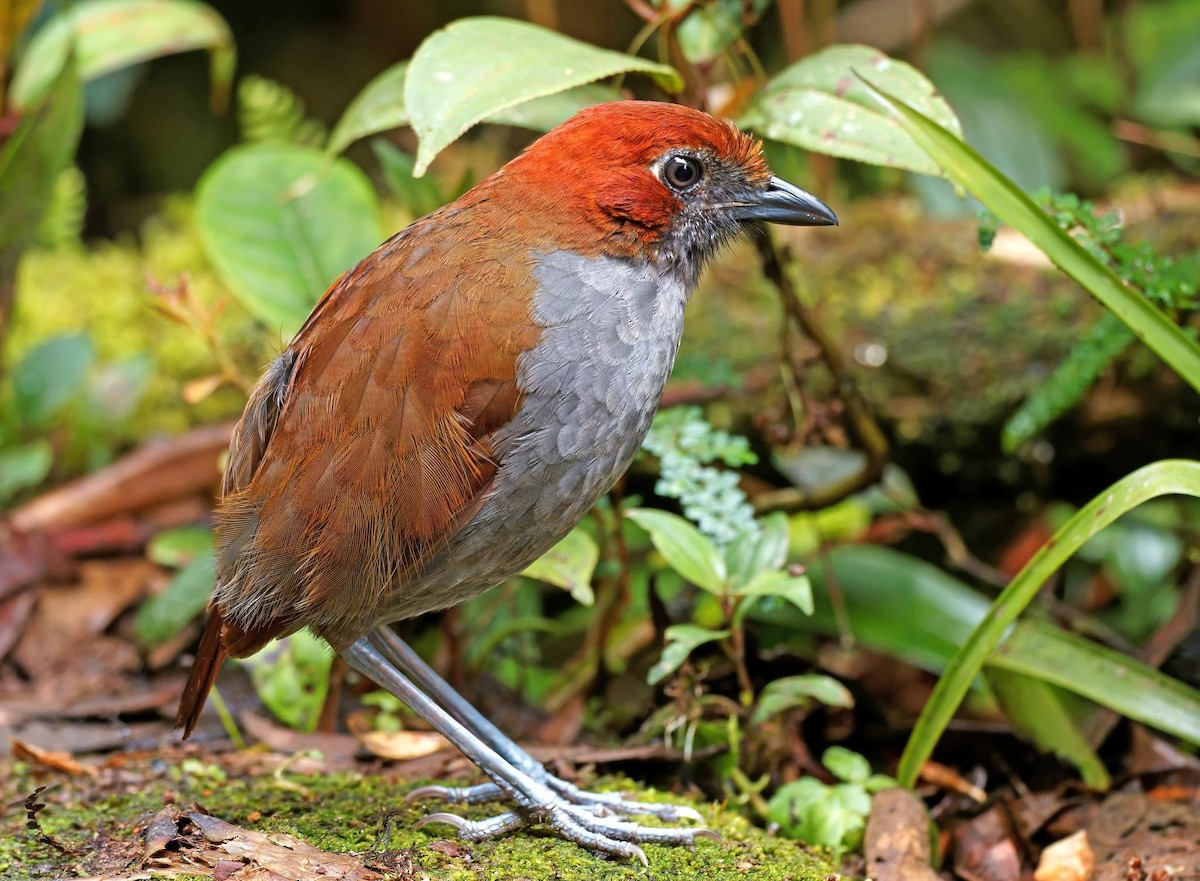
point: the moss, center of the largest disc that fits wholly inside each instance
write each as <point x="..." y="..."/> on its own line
<point x="98" y="821"/>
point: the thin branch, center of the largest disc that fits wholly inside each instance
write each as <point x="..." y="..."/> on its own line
<point x="860" y="424"/>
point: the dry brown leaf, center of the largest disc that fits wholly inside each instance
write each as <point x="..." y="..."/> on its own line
<point x="948" y="778"/>
<point x="401" y="746"/>
<point x="1069" y="859"/>
<point x="53" y="759"/>
<point x="279" y="855"/>
<point x="197" y="390"/>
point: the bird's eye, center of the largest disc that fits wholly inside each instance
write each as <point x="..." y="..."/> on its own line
<point x="682" y="172"/>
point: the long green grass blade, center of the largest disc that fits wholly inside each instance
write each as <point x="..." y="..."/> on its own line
<point x="1167" y="477"/>
<point x="1103" y="675"/>
<point x="962" y="165"/>
<point x="1036" y="708"/>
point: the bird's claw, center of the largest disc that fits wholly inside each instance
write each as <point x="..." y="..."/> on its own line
<point x="576" y="823"/>
<point x="599" y="804"/>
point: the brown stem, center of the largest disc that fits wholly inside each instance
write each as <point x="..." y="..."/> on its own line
<point x="737" y="651"/>
<point x="860" y="424"/>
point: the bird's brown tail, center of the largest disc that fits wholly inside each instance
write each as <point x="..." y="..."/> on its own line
<point x="209" y="657"/>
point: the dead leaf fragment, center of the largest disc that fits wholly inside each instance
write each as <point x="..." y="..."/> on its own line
<point x="161" y="831"/>
<point x="53" y="759"/>
<point x="400" y="746"/>
<point x="253" y="855"/>
<point x="1069" y="859"/>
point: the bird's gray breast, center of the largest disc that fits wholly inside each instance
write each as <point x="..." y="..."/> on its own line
<point x="610" y="332"/>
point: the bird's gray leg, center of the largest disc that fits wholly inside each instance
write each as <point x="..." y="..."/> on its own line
<point x="410" y="664"/>
<point x="535" y="802"/>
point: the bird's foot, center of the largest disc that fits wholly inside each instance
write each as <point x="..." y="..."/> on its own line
<point x="600" y="804"/>
<point x="577" y="823"/>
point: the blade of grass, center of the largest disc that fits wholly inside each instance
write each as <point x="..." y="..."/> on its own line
<point x="1103" y="675"/>
<point x="1170" y="476"/>
<point x="962" y="165"/>
<point x="1036" y="708"/>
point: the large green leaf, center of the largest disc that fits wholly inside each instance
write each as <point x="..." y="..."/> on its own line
<point x="31" y="161"/>
<point x="569" y="565"/>
<point x="280" y="222"/>
<point x="477" y="67"/>
<point x="380" y="107"/>
<point x="23" y="467"/>
<point x="163" y="616"/>
<point x="688" y="551"/>
<point x="112" y="34"/>
<point x="51" y="375"/>
<point x="712" y="27"/>
<point x="972" y="172"/>
<point x="819" y="104"/>
<point x="543" y="114"/>
<point x="1161" y="478"/>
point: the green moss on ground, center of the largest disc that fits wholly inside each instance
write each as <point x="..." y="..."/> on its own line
<point x="99" y="823"/>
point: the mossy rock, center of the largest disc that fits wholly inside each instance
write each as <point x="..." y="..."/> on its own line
<point x="96" y="826"/>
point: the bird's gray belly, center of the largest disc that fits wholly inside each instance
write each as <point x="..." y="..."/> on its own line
<point x="610" y="333"/>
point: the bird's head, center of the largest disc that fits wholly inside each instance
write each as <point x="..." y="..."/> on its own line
<point x="657" y="181"/>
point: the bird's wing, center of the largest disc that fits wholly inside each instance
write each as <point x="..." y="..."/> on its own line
<point x="377" y="448"/>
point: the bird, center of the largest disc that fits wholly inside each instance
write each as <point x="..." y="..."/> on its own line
<point x="456" y="403"/>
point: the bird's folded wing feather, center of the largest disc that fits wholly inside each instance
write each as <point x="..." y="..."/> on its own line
<point x="369" y="443"/>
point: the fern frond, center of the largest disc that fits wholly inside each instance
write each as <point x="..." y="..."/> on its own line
<point x="1100" y="346"/>
<point x="271" y="112"/>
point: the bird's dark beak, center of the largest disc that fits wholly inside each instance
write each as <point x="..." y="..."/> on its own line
<point x="781" y="202"/>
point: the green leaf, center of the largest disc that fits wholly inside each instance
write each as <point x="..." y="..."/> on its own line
<point x="846" y="764"/>
<point x="1100" y="346"/>
<point x="712" y="27"/>
<point x="753" y="556"/>
<point x="112" y="34"/>
<point x="820" y="105"/>
<point x="179" y="547"/>
<point x="162" y="617"/>
<point x="796" y="589"/>
<point x="1035" y="708"/>
<point x="281" y="222"/>
<point x="1103" y="675"/>
<point x="31" y="160"/>
<point x="1166" y="477"/>
<point x="477" y="67"/>
<point x="971" y="171"/>
<point x="569" y="565"/>
<point x="828" y="816"/>
<point x="543" y="114"/>
<point x="688" y="551"/>
<point x="51" y="375"/>
<point x="24" y="467"/>
<point x="291" y="676"/>
<point x="682" y="640"/>
<point x="379" y="107"/>
<point x="784" y="694"/>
